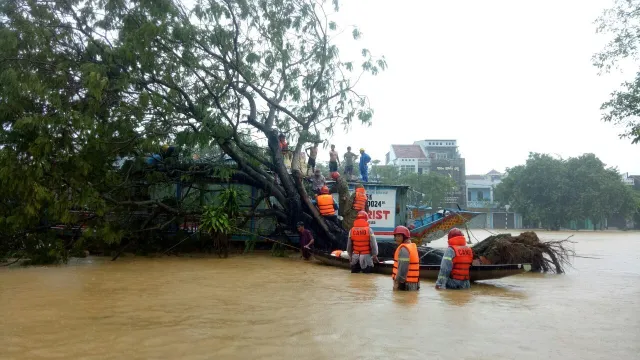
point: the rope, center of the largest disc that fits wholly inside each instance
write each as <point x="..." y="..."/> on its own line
<point x="181" y="241"/>
<point x="266" y="238"/>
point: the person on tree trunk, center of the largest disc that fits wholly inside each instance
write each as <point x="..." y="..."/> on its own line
<point x="317" y="182"/>
<point x="334" y="159"/>
<point x="360" y="202"/>
<point x="306" y="240"/>
<point x="349" y="159"/>
<point x="456" y="261"/>
<point x="362" y="246"/>
<point x="406" y="262"/>
<point x="364" y="167"/>
<point x="327" y="206"/>
<point x="312" y="153"/>
<point x="284" y="148"/>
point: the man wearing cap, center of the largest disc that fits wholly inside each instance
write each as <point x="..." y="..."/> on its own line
<point x="306" y="240"/>
<point x="364" y="169"/>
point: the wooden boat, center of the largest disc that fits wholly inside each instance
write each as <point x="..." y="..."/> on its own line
<point x="430" y="272"/>
<point x="437" y="225"/>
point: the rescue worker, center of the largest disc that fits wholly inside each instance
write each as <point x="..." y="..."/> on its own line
<point x="406" y="262"/>
<point x="359" y="198"/>
<point x="456" y="261"/>
<point x="364" y="169"/>
<point x="326" y="206"/>
<point x="362" y="246"/>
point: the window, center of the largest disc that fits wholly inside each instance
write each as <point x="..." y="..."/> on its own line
<point x="480" y="195"/>
<point x="404" y="169"/>
<point x="441" y="156"/>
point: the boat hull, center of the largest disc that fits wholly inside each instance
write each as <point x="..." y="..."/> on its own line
<point x="430" y="272"/>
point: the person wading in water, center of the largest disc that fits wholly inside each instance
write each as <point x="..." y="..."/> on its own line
<point x="456" y="261"/>
<point x="306" y="240"/>
<point x="361" y="245"/>
<point x="406" y="262"/>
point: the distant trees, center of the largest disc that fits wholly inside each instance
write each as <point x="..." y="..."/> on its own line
<point x="554" y="191"/>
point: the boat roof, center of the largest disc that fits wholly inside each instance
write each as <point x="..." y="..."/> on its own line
<point x="371" y="184"/>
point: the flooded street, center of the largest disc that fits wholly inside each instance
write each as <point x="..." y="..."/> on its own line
<point x="260" y="307"/>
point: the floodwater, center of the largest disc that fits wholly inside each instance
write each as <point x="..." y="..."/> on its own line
<point x="260" y="307"/>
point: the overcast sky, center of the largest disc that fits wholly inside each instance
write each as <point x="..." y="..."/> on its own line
<point x="502" y="77"/>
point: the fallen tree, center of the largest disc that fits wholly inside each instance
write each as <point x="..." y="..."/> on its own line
<point x="87" y="83"/>
<point x="544" y="256"/>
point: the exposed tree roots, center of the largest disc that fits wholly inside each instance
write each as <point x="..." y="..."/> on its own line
<point x="544" y="256"/>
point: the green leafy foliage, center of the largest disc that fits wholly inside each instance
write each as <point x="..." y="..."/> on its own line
<point x="622" y="22"/>
<point x="553" y="191"/>
<point x="91" y="91"/>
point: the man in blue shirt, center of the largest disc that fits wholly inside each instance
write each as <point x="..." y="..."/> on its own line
<point x="364" y="170"/>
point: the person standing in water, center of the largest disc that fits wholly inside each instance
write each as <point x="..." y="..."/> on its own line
<point x="456" y="261"/>
<point x="334" y="159"/>
<point x="306" y="240"/>
<point x="406" y="262"/>
<point x="362" y="246"/>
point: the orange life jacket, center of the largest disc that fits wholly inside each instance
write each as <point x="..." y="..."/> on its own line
<point x="360" y="200"/>
<point x="325" y="205"/>
<point x="336" y="253"/>
<point x="463" y="258"/>
<point x="413" y="275"/>
<point x="360" y="237"/>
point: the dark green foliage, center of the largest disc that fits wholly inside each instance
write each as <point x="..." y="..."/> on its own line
<point x="89" y="90"/>
<point x="553" y="191"/>
<point x="622" y="21"/>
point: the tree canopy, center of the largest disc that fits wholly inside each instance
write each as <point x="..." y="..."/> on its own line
<point x="622" y="22"/>
<point x="553" y="191"/>
<point x="84" y="84"/>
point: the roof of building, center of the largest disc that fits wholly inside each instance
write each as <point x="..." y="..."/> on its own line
<point x="408" y="151"/>
<point x="494" y="172"/>
<point x="474" y="177"/>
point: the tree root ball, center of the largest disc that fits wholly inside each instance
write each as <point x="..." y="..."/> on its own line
<point x="544" y="256"/>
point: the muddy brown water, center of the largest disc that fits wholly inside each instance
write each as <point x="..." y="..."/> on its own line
<point x="260" y="307"/>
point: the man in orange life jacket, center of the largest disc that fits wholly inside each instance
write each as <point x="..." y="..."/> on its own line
<point x="326" y="206"/>
<point x="362" y="246"/>
<point x="406" y="262"/>
<point x="454" y="269"/>
<point x="360" y="199"/>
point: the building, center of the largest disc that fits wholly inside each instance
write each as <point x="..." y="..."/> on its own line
<point x="435" y="155"/>
<point x="480" y="198"/>
<point x="628" y="180"/>
<point x="444" y="158"/>
<point x="408" y="158"/>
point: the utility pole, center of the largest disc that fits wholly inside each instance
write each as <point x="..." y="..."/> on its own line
<point x="506" y="216"/>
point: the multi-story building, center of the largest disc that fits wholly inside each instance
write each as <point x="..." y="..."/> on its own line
<point x="439" y="156"/>
<point x="407" y="158"/>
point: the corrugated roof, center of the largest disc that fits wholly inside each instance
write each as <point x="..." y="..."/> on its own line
<point x="408" y="151"/>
